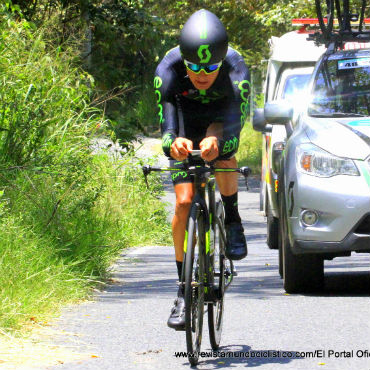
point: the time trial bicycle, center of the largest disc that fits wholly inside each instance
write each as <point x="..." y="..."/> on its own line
<point x="206" y="272"/>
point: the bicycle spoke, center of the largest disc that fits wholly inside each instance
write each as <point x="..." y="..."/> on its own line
<point x="215" y="310"/>
<point x="194" y="287"/>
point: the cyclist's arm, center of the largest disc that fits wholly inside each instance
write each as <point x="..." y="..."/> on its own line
<point x="164" y="81"/>
<point x="236" y="108"/>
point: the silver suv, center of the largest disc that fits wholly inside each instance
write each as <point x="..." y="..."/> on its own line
<point x="289" y="69"/>
<point x="324" y="172"/>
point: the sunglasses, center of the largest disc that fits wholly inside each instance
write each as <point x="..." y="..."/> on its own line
<point x="196" y="68"/>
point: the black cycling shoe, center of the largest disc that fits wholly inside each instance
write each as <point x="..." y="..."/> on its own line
<point x="177" y="318"/>
<point x="236" y="245"/>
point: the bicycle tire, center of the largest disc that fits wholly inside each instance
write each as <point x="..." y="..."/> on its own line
<point x="216" y="309"/>
<point x="345" y="24"/>
<point x="326" y="29"/>
<point x="194" y="287"/>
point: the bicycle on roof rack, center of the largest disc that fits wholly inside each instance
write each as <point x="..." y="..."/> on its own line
<point x="348" y="15"/>
<point x="206" y="272"/>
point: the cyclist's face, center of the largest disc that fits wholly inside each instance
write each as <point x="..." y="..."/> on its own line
<point x="201" y="80"/>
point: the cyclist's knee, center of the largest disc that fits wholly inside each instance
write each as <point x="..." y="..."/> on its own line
<point x="183" y="204"/>
<point x="184" y="196"/>
<point x="227" y="163"/>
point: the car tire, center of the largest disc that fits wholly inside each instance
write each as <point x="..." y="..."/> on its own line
<point x="280" y="255"/>
<point x="272" y="230"/>
<point x="301" y="273"/>
<point x="261" y="195"/>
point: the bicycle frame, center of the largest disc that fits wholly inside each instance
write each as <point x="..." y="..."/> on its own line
<point x="205" y="183"/>
<point x="198" y="276"/>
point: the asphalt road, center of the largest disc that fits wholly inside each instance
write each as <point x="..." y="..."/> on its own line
<point x="125" y="327"/>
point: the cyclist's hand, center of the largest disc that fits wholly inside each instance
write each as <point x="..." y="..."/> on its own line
<point x="180" y="148"/>
<point x="209" y="148"/>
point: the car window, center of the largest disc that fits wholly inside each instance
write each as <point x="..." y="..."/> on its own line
<point x="342" y="86"/>
<point x="294" y="85"/>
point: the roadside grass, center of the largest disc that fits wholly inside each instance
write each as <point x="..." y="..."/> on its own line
<point x="250" y="149"/>
<point x="65" y="214"/>
<point x="58" y="243"/>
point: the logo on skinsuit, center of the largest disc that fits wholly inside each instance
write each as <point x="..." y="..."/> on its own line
<point x="157" y="84"/>
<point x="167" y="141"/>
<point x="244" y="87"/>
<point x="204" y="54"/>
<point x="175" y="175"/>
<point x="230" y="145"/>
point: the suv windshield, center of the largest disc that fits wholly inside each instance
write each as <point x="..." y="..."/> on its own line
<point x="342" y="87"/>
<point x="295" y="84"/>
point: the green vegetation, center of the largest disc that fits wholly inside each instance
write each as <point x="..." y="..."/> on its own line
<point x="58" y="240"/>
<point x="125" y="39"/>
<point x="64" y="213"/>
<point x="250" y="149"/>
<point x="72" y="70"/>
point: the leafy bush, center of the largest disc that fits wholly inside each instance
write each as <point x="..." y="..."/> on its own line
<point x="64" y="212"/>
<point x="250" y="149"/>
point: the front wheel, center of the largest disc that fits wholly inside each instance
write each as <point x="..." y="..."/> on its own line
<point x="194" y="285"/>
<point x="301" y="273"/>
<point x="272" y="229"/>
<point x="216" y="309"/>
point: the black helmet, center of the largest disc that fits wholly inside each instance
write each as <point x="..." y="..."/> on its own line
<point x="203" y="39"/>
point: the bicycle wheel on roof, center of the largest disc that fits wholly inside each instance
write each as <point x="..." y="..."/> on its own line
<point x="325" y="15"/>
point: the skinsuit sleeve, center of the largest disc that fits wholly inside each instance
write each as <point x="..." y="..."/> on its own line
<point x="236" y="108"/>
<point x="164" y="83"/>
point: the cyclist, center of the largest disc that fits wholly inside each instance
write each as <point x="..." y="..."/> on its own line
<point x="202" y="89"/>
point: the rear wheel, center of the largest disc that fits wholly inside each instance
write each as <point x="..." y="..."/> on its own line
<point x="194" y="285"/>
<point x="301" y="273"/>
<point x="216" y="309"/>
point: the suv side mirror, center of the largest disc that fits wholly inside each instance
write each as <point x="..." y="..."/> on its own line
<point x="278" y="112"/>
<point x="259" y="122"/>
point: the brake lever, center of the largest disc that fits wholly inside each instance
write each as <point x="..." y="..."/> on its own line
<point x="246" y="171"/>
<point x="146" y="171"/>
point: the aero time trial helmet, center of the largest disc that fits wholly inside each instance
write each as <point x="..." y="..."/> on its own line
<point x="203" y="39"/>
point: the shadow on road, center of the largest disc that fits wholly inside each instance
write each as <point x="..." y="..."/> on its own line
<point x="153" y="274"/>
<point x="346" y="284"/>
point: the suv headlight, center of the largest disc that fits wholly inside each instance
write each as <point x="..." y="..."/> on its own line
<point x="312" y="160"/>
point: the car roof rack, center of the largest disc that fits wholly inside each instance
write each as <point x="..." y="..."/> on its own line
<point x="350" y="27"/>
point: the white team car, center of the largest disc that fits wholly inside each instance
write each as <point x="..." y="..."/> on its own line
<point x="324" y="172"/>
<point x="289" y="69"/>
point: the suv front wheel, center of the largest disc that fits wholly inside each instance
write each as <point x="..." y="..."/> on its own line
<point x="301" y="273"/>
<point x="272" y="229"/>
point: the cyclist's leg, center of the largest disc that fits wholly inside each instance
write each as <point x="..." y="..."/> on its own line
<point x="236" y="245"/>
<point x="184" y="190"/>
<point x="191" y="126"/>
<point x="184" y="195"/>
<point x="227" y="182"/>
